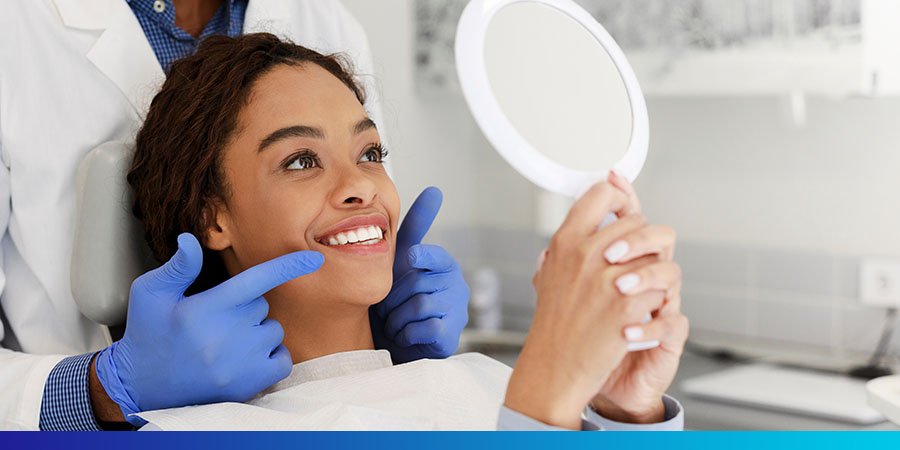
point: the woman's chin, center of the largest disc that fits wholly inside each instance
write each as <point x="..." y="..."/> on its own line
<point x="362" y="293"/>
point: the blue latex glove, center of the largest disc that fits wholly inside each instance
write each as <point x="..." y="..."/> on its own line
<point x="214" y="346"/>
<point x="427" y="308"/>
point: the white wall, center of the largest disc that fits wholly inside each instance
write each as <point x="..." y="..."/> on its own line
<point x="739" y="171"/>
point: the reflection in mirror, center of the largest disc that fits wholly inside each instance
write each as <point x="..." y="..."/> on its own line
<point x="558" y="87"/>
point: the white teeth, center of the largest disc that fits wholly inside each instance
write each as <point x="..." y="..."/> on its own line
<point x="369" y="235"/>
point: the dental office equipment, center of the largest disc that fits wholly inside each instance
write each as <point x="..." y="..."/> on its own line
<point x="816" y="394"/>
<point x="883" y="394"/>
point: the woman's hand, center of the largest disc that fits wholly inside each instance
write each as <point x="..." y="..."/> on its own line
<point x="633" y="392"/>
<point x="577" y="335"/>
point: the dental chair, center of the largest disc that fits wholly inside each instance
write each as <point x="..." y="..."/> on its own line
<point x="109" y="250"/>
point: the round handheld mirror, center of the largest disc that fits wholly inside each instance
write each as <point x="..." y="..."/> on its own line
<point x="553" y="93"/>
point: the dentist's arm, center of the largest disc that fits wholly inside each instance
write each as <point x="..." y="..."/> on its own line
<point x="215" y="346"/>
<point x="427" y="308"/>
<point x="23" y="376"/>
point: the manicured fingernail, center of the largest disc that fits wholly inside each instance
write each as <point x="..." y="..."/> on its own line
<point x="634" y="333"/>
<point x="616" y="252"/>
<point x="626" y="283"/>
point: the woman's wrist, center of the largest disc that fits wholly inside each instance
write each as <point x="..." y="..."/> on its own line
<point x="540" y="390"/>
<point x="542" y="407"/>
<point x="649" y="412"/>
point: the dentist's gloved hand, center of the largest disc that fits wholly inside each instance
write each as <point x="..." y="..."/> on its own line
<point x="427" y="308"/>
<point x="210" y="347"/>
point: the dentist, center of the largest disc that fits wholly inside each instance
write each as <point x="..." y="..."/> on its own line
<point x="77" y="73"/>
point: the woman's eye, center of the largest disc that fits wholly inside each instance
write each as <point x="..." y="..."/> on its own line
<point x="302" y="162"/>
<point x="374" y="154"/>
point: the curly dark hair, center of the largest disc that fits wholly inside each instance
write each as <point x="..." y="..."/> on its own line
<point x="176" y="173"/>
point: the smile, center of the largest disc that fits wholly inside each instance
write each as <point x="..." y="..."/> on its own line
<point x="364" y="235"/>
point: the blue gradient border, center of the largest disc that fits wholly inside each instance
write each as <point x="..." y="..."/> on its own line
<point x="450" y="440"/>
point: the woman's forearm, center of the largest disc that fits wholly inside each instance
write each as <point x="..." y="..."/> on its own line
<point x="544" y="386"/>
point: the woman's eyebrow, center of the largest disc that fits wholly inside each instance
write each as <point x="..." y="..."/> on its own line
<point x="363" y="125"/>
<point x="309" y="132"/>
<point x="292" y="131"/>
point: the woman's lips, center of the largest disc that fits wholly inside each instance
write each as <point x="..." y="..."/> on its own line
<point x="354" y="223"/>
<point x="359" y="235"/>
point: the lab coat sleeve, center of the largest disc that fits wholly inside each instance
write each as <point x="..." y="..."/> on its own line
<point x="510" y="420"/>
<point x="22" y="376"/>
<point x="22" y="379"/>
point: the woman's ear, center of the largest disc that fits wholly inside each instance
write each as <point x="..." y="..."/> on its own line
<point x="218" y="233"/>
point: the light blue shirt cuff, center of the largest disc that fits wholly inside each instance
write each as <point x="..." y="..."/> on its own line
<point x="674" y="419"/>
<point x="510" y="420"/>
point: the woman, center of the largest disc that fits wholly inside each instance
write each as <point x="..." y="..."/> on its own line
<point x="272" y="152"/>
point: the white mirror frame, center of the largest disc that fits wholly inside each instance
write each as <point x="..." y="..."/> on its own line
<point x="515" y="149"/>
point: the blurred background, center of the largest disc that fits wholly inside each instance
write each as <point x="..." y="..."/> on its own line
<point x="774" y="152"/>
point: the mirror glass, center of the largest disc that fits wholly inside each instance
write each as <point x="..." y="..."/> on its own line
<point x="558" y="87"/>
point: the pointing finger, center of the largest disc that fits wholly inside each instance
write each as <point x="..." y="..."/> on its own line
<point x="259" y="279"/>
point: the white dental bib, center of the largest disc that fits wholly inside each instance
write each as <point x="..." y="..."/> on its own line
<point x="361" y="390"/>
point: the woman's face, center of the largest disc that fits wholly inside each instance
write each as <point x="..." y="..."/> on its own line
<point x="304" y="172"/>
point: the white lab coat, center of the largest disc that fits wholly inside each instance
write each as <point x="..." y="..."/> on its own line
<point x="74" y="74"/>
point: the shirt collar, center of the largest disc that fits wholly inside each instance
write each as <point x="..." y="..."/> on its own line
<point x="166" y="19"/>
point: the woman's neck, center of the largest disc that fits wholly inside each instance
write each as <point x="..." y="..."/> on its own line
<point x="313" y="332"/>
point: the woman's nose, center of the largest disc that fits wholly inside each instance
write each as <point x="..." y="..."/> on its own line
<point x="354" y="189"/>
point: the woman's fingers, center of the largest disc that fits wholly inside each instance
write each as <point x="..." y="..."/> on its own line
<point x="601" y="239"/>
<point x="591" y="209"/>
<point x="670" y="331"/>
<point x="660" y="276"/>
<point x="590" y="247"/>
<point x="636" y="308"/>
<point x="672" y="306"/>
<point x="647" y="240"/>
<point x="622" y="184"/>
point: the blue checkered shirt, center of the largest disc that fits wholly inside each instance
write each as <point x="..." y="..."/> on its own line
<point x="66" y="403"/>
<point x="171" y="43"/>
